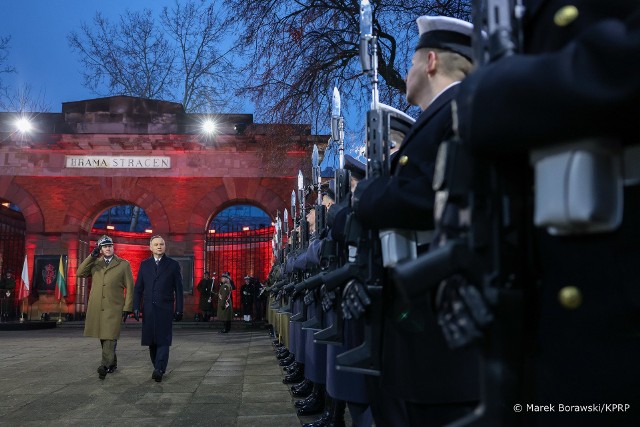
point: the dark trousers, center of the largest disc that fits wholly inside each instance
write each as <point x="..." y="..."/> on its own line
<point x="227" y="325"/>
<point x="159" y="357"/>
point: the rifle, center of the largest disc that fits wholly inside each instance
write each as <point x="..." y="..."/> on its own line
<point x="366" y="357"/>
<point x="471" y="263"/>
<point x="329" y="250"/>
<point x="304" y="244"/>
<point x="320" y="221"/>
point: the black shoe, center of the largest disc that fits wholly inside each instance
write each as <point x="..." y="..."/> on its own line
<point x="283" y="354"/>
<point x="102" y="372"/>
<point x="313" y="408"/>
<point x="157" y="375"/>
<point x="290" y="368"/>
<point x="293" y="378"/>
<point x="304" y="390"/>
<point x="320" y="422"/>
<point x="112" y="368"/>
<point x="305" y="402"/>
<point x="304" y="383"/>
<point x="222" y="331"/>
<point x="287" y="361"/>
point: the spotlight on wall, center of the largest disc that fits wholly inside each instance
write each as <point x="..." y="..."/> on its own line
<point x="208" y="127"/>
<point x="148" y="230"/>
<point x="245" y="228"/>
<point x="24" y="125"/>
<point x="110" y="227"/>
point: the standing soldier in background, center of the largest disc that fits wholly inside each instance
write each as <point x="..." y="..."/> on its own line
<point x="158" y="288"/>
<point x="247" y="296"/>
<point x="205" y="287"/>
<point x="7" y="291"/>
<point x="110" y="299"/>
<point x="225" y="305"/>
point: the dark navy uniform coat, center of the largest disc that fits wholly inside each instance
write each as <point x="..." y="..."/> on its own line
<point x="580" y="78"/>
<point x="405" y="200"/>
<point x="158" y="289"/>
<point x="417" y="365"/>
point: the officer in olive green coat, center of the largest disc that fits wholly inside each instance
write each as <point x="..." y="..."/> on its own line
<point x="225" y="303"/>
<point x="108" y="302"/>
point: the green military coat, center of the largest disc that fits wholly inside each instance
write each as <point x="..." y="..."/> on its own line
<point x="107" y="300"/>
<point x="224" y="296"/>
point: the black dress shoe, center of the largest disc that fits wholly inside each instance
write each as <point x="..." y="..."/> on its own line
<point x="222" y="331"/>
<point x="292" y="367"/>
<point x="294" y="374"/>
<point x="283" y="354"/>
<point x="314" y="407"/>
<point x="304" y="383"/>
<point x="304" y="402"/>
<point x="111" y="369"/>
<point x="102" y="372"/>
<point x="157" y="375"/>
<point x="293" y="378"/>
<point x="287" y="360"/>
<point x="320" y="422"/>
<point x="304" y="390"/>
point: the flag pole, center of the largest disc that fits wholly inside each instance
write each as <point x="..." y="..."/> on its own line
<point x="60" y="310"/>
<point x="22" y="312"/>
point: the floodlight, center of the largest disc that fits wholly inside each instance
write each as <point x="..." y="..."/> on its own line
<point x="23" y="125"/>
<point x="208" y="127"/>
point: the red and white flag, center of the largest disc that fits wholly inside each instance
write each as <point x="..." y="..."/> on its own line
<point x="24" y="286"/>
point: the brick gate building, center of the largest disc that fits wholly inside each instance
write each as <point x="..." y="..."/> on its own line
<point x="129" y="151"/>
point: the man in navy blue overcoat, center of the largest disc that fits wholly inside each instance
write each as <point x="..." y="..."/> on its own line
<point x="158" y="288"/>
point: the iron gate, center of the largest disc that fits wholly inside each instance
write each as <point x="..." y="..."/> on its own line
<point x="241" y="252"/>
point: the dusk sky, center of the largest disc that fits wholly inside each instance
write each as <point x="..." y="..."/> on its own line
<point x="39" y="49"/>
<point x="43" y="59"/>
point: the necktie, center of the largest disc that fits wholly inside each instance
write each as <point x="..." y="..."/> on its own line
<point x="107" y="261"/>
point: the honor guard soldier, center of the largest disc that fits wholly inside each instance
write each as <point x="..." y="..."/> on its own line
<point x="422" y="381"/>
<point x="561" y="117"/>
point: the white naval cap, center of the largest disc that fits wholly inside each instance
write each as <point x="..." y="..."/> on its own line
<point x="443" y="32"/>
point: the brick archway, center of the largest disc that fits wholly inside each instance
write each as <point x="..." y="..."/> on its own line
<point x="33" y="217"/>
<point x="118" y="191"/>
<point x="218" y="199"/>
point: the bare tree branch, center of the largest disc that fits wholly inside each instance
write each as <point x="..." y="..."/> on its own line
<point x="22" y="100"/>
<point x="4" y="56"/>
<point x="132" y="57"/>
<point x="176" y="58"/>
<point x="200" y="29"/>
<point x="298" y="50"/>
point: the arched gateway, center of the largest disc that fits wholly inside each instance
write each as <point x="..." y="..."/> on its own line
<point x="130" y="151"/>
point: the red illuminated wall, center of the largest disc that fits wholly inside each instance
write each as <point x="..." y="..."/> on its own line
<point x="134" y="254"/>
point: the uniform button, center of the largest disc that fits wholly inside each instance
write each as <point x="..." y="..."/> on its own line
<point x="570" y="297"/>
<point x="565" y="15"/>
<point x="403" y="160"/>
